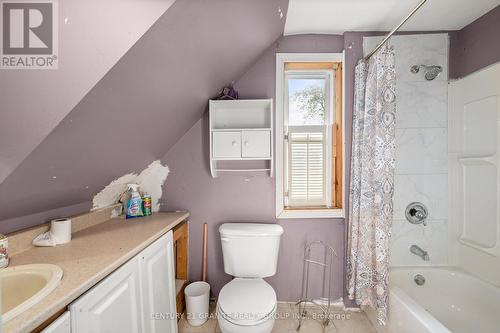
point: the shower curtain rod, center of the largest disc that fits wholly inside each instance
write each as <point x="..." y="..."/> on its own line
<point x="395" y="29"/>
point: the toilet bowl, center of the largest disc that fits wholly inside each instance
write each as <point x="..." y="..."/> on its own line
<point x="230" y="327"/>
<point x="247" y="304"/>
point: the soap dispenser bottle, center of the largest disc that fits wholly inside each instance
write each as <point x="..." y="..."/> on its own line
<point x="134" y="203"/>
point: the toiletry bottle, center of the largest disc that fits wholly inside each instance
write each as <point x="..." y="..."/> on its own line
<point x="146" y="204"/>
<point x="4" y="251"/>
<point x="134" y="203"/>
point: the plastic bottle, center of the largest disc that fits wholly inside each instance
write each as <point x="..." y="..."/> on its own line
<point x="146" y="204"/>
<point x="134" y="203"/>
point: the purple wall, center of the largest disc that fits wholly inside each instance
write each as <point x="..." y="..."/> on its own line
<point x="93" y="36"/>
<point x="475" y="46"/>
<point x="147" y="103"/>
<point x="248" y="197"/>
<point x="141" y="107"/>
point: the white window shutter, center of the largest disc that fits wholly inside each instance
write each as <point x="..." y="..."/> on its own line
<point x="306" y="168"/>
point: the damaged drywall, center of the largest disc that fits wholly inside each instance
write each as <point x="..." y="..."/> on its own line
<point x="112" y="192"/>
<point x="150" y="181"/>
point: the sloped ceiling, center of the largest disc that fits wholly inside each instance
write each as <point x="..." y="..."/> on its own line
<point x="338" y="16"/>
<point x="145" y="103"/>
<point x="93" y="35"/>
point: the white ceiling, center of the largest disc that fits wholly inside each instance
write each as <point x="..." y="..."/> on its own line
<point x="338" y="16"/>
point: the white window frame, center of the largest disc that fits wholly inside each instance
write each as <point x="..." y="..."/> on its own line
<point x="329" y="76"/>
<point x="281" y="88"/>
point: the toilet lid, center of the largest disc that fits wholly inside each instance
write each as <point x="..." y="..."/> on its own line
<point x="247" y="301"/>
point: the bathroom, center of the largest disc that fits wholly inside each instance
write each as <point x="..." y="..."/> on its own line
<point x="306" y="165"/>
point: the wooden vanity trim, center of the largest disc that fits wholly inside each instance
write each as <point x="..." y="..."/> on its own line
<point x="181" y="245"/>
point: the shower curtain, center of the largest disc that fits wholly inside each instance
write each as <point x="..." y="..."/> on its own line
<point x="372" y="181"/>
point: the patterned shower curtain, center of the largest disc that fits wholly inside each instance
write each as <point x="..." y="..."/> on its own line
<point x="372" y="182"/>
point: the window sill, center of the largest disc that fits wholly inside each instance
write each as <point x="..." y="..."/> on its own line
<point x="311" y="214"/>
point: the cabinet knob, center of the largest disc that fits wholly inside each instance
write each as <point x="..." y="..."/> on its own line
<point x="234" y="143"/>
<point x="245" y="143"/>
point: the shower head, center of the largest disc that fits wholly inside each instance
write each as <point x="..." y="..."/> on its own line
<point x="431" y="72"/>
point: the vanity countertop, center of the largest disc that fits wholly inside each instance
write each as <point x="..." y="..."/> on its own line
<point x="92" y="254"/>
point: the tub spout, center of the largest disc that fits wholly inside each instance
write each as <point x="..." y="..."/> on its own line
<point x="417" y="250"/>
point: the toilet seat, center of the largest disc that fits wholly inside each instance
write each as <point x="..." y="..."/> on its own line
<point x="246" y="302"/>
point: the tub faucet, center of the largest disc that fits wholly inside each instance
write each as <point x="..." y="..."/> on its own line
<point x="417" y="250"/>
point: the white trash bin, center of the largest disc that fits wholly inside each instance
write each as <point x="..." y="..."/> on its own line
<point x="197" y="297"/>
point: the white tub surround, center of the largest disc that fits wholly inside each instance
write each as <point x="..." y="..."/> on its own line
<point x="450" y="301"/>
<point x="474" y="169"/>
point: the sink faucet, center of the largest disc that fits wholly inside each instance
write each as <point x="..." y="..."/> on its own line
<point x="417" y="250"/>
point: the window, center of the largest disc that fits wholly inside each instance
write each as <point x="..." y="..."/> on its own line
<point x="309" y="136"/>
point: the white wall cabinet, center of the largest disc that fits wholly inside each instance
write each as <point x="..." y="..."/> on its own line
<point x="241" y="130"/>
<point x="127" y="299"/>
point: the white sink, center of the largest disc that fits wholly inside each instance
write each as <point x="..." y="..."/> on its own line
<point x="24" y="286"/>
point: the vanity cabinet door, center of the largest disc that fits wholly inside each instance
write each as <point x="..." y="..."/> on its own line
<point x="61" y="325"/>
<point x="114" y="305"/>
<point x="158" y="286"/>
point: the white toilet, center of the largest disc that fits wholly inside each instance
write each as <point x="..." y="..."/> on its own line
<point x="247" y="304"/>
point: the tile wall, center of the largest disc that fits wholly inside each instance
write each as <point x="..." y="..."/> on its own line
<point x="422" y="145"/>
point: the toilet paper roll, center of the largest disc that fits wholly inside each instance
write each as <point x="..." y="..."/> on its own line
<point x="60" y="230"/>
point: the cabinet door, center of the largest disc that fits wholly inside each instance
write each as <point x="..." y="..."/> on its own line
<point x="256" y="144"/>
<point x="61" y="325"/>
<point x="158" y="286"/>
<point x="226" y="145"/>
<point x="114" y="305"/>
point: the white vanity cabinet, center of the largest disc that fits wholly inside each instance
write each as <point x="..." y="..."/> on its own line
<point x="61" y="325"/>
<point x="129" y="298"/>
<point x="158" y="286"/>
<point x="114" y="305"/>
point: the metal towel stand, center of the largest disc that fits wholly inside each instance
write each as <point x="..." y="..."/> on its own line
<point x="325" y="301"/>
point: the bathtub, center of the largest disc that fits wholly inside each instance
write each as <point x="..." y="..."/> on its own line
<point x="450" y="300"/>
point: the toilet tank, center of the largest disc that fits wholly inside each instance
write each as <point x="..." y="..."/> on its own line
<point x="250" y="250"/>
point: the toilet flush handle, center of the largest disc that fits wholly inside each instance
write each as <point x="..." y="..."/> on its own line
<point x="224" y="239"/>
